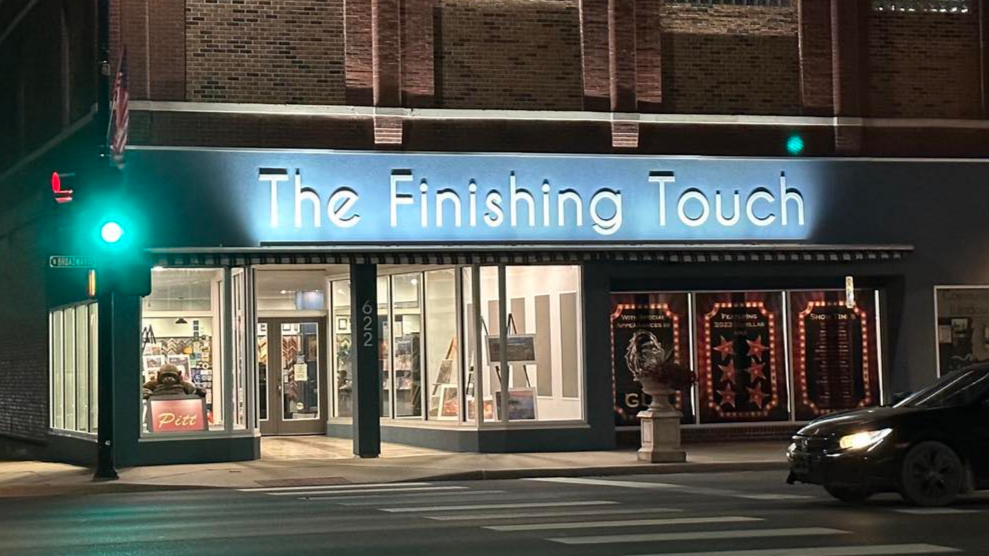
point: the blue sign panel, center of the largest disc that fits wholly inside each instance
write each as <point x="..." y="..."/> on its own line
<point x="393" y="198"/>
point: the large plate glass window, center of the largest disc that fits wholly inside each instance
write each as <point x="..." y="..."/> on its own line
<point x="834" y="352"/>
<point x="342" y="341"/>
<point x="181" y="326"/>
<point x="741" y="361"/>
<point x="442" y="347"/>
<point x="646" y="325"/>
<point x="73" y="359"/>
<point x="406" y="310"/>
<point x="962" y="326"/>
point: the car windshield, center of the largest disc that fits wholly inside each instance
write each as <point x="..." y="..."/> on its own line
<point x="955" y="389"/>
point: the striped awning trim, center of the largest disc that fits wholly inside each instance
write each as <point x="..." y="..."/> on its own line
<point x="672" y="254"/>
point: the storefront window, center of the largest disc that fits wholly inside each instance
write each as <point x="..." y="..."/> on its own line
<point x="384" y="341"/>
<point x="290" y="290"/>
<point x="407" y="344"/>
<point x="962" y="326"/>
<point x="741" y="365"/>
<point x="182" y="327"/>
<point x="73" y="361"/>
<point x="442" y="355"/>
<point x="261" y="343"/>
<point x="343" y="377"/>
<point x="835" y="352"/>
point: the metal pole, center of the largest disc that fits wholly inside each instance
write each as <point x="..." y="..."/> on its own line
<point x="105" y="460"/>
<point x="365" y="357"/>
<point x="103" y="76"/>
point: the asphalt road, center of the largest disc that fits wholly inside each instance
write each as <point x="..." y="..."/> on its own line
<point x="738" y="514"/>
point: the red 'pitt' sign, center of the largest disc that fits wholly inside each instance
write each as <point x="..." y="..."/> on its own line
<point x="177" y="415"/>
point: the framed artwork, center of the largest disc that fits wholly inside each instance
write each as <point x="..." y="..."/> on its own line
<point x="449" y="400"/>
<point x="488" y="408"/>
<point x="521" y="349"/>
<point x="521" y="403"/>
<point x="343" y="324"/>
<point x="153" y="362"/>
<point x="445" y="375"/>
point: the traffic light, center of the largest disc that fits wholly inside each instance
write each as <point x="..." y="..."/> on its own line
<point x="795" y="144"/>
<point x="101" y="221"/>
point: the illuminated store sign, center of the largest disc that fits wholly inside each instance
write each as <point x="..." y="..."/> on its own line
<point x="317" y="197"/>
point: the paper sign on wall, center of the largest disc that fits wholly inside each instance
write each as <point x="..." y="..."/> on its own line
<point x="301" y="372"/>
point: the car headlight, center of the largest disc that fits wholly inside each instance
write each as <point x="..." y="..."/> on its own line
<point x="862" y="440"/>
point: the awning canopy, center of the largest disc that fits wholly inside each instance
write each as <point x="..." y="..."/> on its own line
<point x="532" y="254"/>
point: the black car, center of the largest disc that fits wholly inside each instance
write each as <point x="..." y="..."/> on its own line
<point x="930" y="447"/>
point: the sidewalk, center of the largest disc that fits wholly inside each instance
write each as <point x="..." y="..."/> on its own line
<point x="397" y="464"/>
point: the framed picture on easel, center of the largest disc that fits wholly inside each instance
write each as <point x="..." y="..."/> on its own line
<point x="521" y="349"/>
<point x="521" y="404"/>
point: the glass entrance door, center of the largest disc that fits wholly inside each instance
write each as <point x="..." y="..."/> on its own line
<point x="292" y="375"/>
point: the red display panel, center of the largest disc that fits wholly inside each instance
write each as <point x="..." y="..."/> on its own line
<point x="835" y="354"/>
<point x="177" y="415"/>
<point x="741" y="357"/>
<point x="663" y="315"/>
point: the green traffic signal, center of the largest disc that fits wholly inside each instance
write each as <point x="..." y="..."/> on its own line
<point x="795" y="145"/>
<point x="111" y="232"/>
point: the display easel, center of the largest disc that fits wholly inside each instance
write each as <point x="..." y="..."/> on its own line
<point x="497" y="368"/>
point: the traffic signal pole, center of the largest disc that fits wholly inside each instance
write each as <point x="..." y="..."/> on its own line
<point x="105" y="462"/>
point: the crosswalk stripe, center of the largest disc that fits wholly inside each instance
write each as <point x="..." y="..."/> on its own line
<point x="602" y="482"/>
<point x="568" y="513"/>
<point x="498" y="506"/>
<point x="773" y="496"/>
<point x="934" y="511"/>
<point x="331" y="487"/>
<point x="703" y="535"/>
<point x="625" y="523"/>
<point x="366" y="491"/>
<point x="371" y="500"/>
<point x="662" y="486"/>
<point x="874" y="550"/>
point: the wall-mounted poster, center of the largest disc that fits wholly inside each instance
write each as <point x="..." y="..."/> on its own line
<point x="665" y="316"/>
<point x="835" y="357"/>
<point x="963" y="327"/>
<point x="740" y="357"/>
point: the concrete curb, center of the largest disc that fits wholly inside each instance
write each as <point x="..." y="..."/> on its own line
<point x="642" y="469"/>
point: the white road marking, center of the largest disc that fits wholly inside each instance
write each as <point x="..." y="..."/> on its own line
<point x="372" y="500"/>
<point x="874" y="550"/>
<point x="365" y="491"/>
<point x="331" y="487"/>
<point x="514" y="515"/>
<point x="669" y="486"/>
<point x="703" y="535"/>
<point x="602" y="482"/>
<point x="625" y="523"/>
<point x="498" y="506"/>
<point x="934" y="511"/>
<point x="773" y="496"/>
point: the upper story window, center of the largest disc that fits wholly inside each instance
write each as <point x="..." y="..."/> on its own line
<point x="932" y="6"/>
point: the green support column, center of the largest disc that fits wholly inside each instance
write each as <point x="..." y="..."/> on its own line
<point x="367" y="373"/>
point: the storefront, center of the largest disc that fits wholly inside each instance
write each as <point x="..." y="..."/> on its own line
<point x="736" y="267"/>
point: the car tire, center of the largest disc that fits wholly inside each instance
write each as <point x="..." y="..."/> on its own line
<point x="932" y="474"/>
<point x="849" y="495"/>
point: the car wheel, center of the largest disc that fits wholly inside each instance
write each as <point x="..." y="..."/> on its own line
<point x="849" y="495"/>
<point x="932" y="475"/>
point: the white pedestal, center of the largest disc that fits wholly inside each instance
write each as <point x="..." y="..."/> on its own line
<point x="661" y="437"/>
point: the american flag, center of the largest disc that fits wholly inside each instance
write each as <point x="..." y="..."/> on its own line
<point x="119" y="113"/>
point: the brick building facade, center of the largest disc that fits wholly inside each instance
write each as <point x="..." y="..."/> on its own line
<point x="643" y="77"/>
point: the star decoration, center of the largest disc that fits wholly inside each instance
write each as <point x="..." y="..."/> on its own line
<point x="725" y="348"/>
<point x="728" y="372"/>
<point x="756" y="348"/>
<point x="756" y="395"/>
<point x="756" y="371"/>
<point x="727" y="397"/>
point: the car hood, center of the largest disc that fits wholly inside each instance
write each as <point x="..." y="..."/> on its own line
<point x="857" y="419"/>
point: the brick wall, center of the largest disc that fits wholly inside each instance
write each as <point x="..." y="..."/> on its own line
<point x="514" y="54"/>
<point x="290" y="51"/>
<point x="730" y="59"/>
<point x="23" y="335"/>
<point x="924" y="65"/>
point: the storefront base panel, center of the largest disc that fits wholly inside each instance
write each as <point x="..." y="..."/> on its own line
<point x="18" y="449"/>
<point x="207" y="450"/>
<point x="70" y="449"/>
<point x="490" y="441"/>
<point x="629" y="437"/>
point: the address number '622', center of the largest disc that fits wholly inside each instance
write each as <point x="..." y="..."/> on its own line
<point x="368" y="323"/>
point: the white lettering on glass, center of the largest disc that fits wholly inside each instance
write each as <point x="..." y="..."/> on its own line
<point x="273" y="177"/>
<point x="719" y="211"/>
<point x="662" y="178"/>
<point x="787" y="195"/>
<point x="398" y="176"/>
<point x="341" y="202"/>
<point x="606" y="225"/>
<point x="760" y="194"/>
<point x="515" y="195"/>
<point x="305" y="194"/>
<point x="693" y="195"/>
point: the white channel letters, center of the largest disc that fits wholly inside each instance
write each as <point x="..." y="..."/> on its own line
<point x="413" y="201"/>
